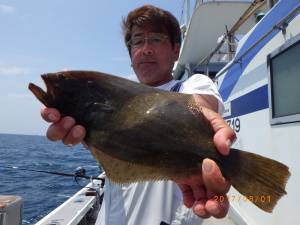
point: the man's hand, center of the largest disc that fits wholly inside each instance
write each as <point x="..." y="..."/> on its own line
<point x="63" y="128"/>
<point x="199" y="191"/>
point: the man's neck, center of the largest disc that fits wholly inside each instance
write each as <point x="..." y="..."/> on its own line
<point x="161" y="82"/>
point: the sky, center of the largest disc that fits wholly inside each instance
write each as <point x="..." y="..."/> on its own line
<point x="38" y="37"/>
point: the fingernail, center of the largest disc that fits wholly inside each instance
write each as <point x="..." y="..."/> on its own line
<point x="207" y="166"/>
<point x="51" y="117"/>
<point x="77" y="133"/>
<point x="68" y="124"/>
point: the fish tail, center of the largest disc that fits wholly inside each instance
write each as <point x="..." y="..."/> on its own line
<point x="261" y="180"/>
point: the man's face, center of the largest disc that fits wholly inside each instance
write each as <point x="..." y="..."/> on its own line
<point x="152" y="59"/>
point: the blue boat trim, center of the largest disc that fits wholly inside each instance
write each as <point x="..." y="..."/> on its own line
<point x="249" y="103"/>
<point x="280" y="10"/>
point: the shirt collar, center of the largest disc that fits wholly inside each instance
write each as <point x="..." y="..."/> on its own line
<point x="167" y="86"/>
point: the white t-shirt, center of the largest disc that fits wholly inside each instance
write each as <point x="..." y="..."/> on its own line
<point x="153" y="203"/>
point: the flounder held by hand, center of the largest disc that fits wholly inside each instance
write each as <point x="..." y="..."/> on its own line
<point x="140" y="133"/>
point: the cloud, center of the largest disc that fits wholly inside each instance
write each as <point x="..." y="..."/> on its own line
<point x="14" y="70"/>
<point x="6" y="9"/>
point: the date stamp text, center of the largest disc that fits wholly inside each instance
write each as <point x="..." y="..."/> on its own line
<point x="245" y="198"/>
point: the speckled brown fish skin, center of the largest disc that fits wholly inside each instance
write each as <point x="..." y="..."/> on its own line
<point x="140" y="133"/>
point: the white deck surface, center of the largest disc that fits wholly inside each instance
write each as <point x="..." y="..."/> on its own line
<point x="71" y="212"/>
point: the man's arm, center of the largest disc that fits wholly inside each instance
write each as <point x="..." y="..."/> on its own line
<point x="198" y="191"/>
<point x="208" y="101"/>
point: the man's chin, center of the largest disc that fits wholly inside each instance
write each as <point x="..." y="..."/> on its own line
<point x="147" y="66"/>
<point x="148" y="80"/>
<point x="148" y="75"/>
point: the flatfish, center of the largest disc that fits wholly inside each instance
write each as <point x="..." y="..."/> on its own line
<point x="139" y="133"/>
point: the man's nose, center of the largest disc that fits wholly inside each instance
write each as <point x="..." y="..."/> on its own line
<point x="147" y="48"/>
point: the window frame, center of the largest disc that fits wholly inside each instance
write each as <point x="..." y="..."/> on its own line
<point x="283" y="48"/>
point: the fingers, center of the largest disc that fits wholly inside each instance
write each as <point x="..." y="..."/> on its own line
<point x="75" y="136"/>
<point x="67" y="131"/>
<point x="211" y="207"/>
<point x="57" y="131"/>
<point x="50" y="115"/>
<point x="192" y="190"/>
<point x="224" y="135"/>
<point x="64" y="129"/>
<point x="223" y="139"/>
<point x="199" y="191"/>
<point x="214" y="183"/>
<point x="214" y="205"/>
<point x="213" y="178"/>
<point x="188" y="196"/>
<point x="200" y="210"/>
<point x="215" y="208"/>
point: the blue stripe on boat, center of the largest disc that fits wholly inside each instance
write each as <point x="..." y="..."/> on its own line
<point x="249" y="103"/>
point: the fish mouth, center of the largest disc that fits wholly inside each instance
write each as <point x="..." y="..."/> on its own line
<point x="48" y="81"/>
<point x="39" y="93"/>
<point x="46" y="97"/>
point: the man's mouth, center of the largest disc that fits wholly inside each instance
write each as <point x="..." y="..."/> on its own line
<point x="147" y="62"/>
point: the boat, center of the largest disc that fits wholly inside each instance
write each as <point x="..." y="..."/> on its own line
<point x="249" y="49"/>
<point x="259" y="87"/>
<point x="82" y="208"/>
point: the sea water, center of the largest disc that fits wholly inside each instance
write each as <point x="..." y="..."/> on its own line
<point x="41" y="192"/>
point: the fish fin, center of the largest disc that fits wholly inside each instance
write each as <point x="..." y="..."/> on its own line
<point x="260" y="179"/>
<point x="104" y="81"/>
<point x="122" y="172"/>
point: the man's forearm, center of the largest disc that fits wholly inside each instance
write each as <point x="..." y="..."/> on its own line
<point x="207" y="101"/>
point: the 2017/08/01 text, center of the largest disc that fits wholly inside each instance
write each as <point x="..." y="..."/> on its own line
<point x="248" y="198"/>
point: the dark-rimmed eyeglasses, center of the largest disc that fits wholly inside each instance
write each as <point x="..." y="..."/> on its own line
<point x="155" y="39"/>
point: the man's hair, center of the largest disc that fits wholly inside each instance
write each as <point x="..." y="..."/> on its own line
<point x="159" y="20"/>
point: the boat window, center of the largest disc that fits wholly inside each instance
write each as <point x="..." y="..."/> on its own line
<point x="284" y="74"/>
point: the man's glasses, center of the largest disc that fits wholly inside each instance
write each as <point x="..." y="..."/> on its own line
<point x="155" y="40"/>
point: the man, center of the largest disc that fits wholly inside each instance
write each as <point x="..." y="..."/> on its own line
<point x="152" y="37"/>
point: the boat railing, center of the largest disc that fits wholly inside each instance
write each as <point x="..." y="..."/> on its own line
<point x="81" y="208"/>
<point x="229" y="37"/>
<point x="281" y="25"/>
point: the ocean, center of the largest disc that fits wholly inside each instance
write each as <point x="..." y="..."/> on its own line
<point x="41" y="193"/>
